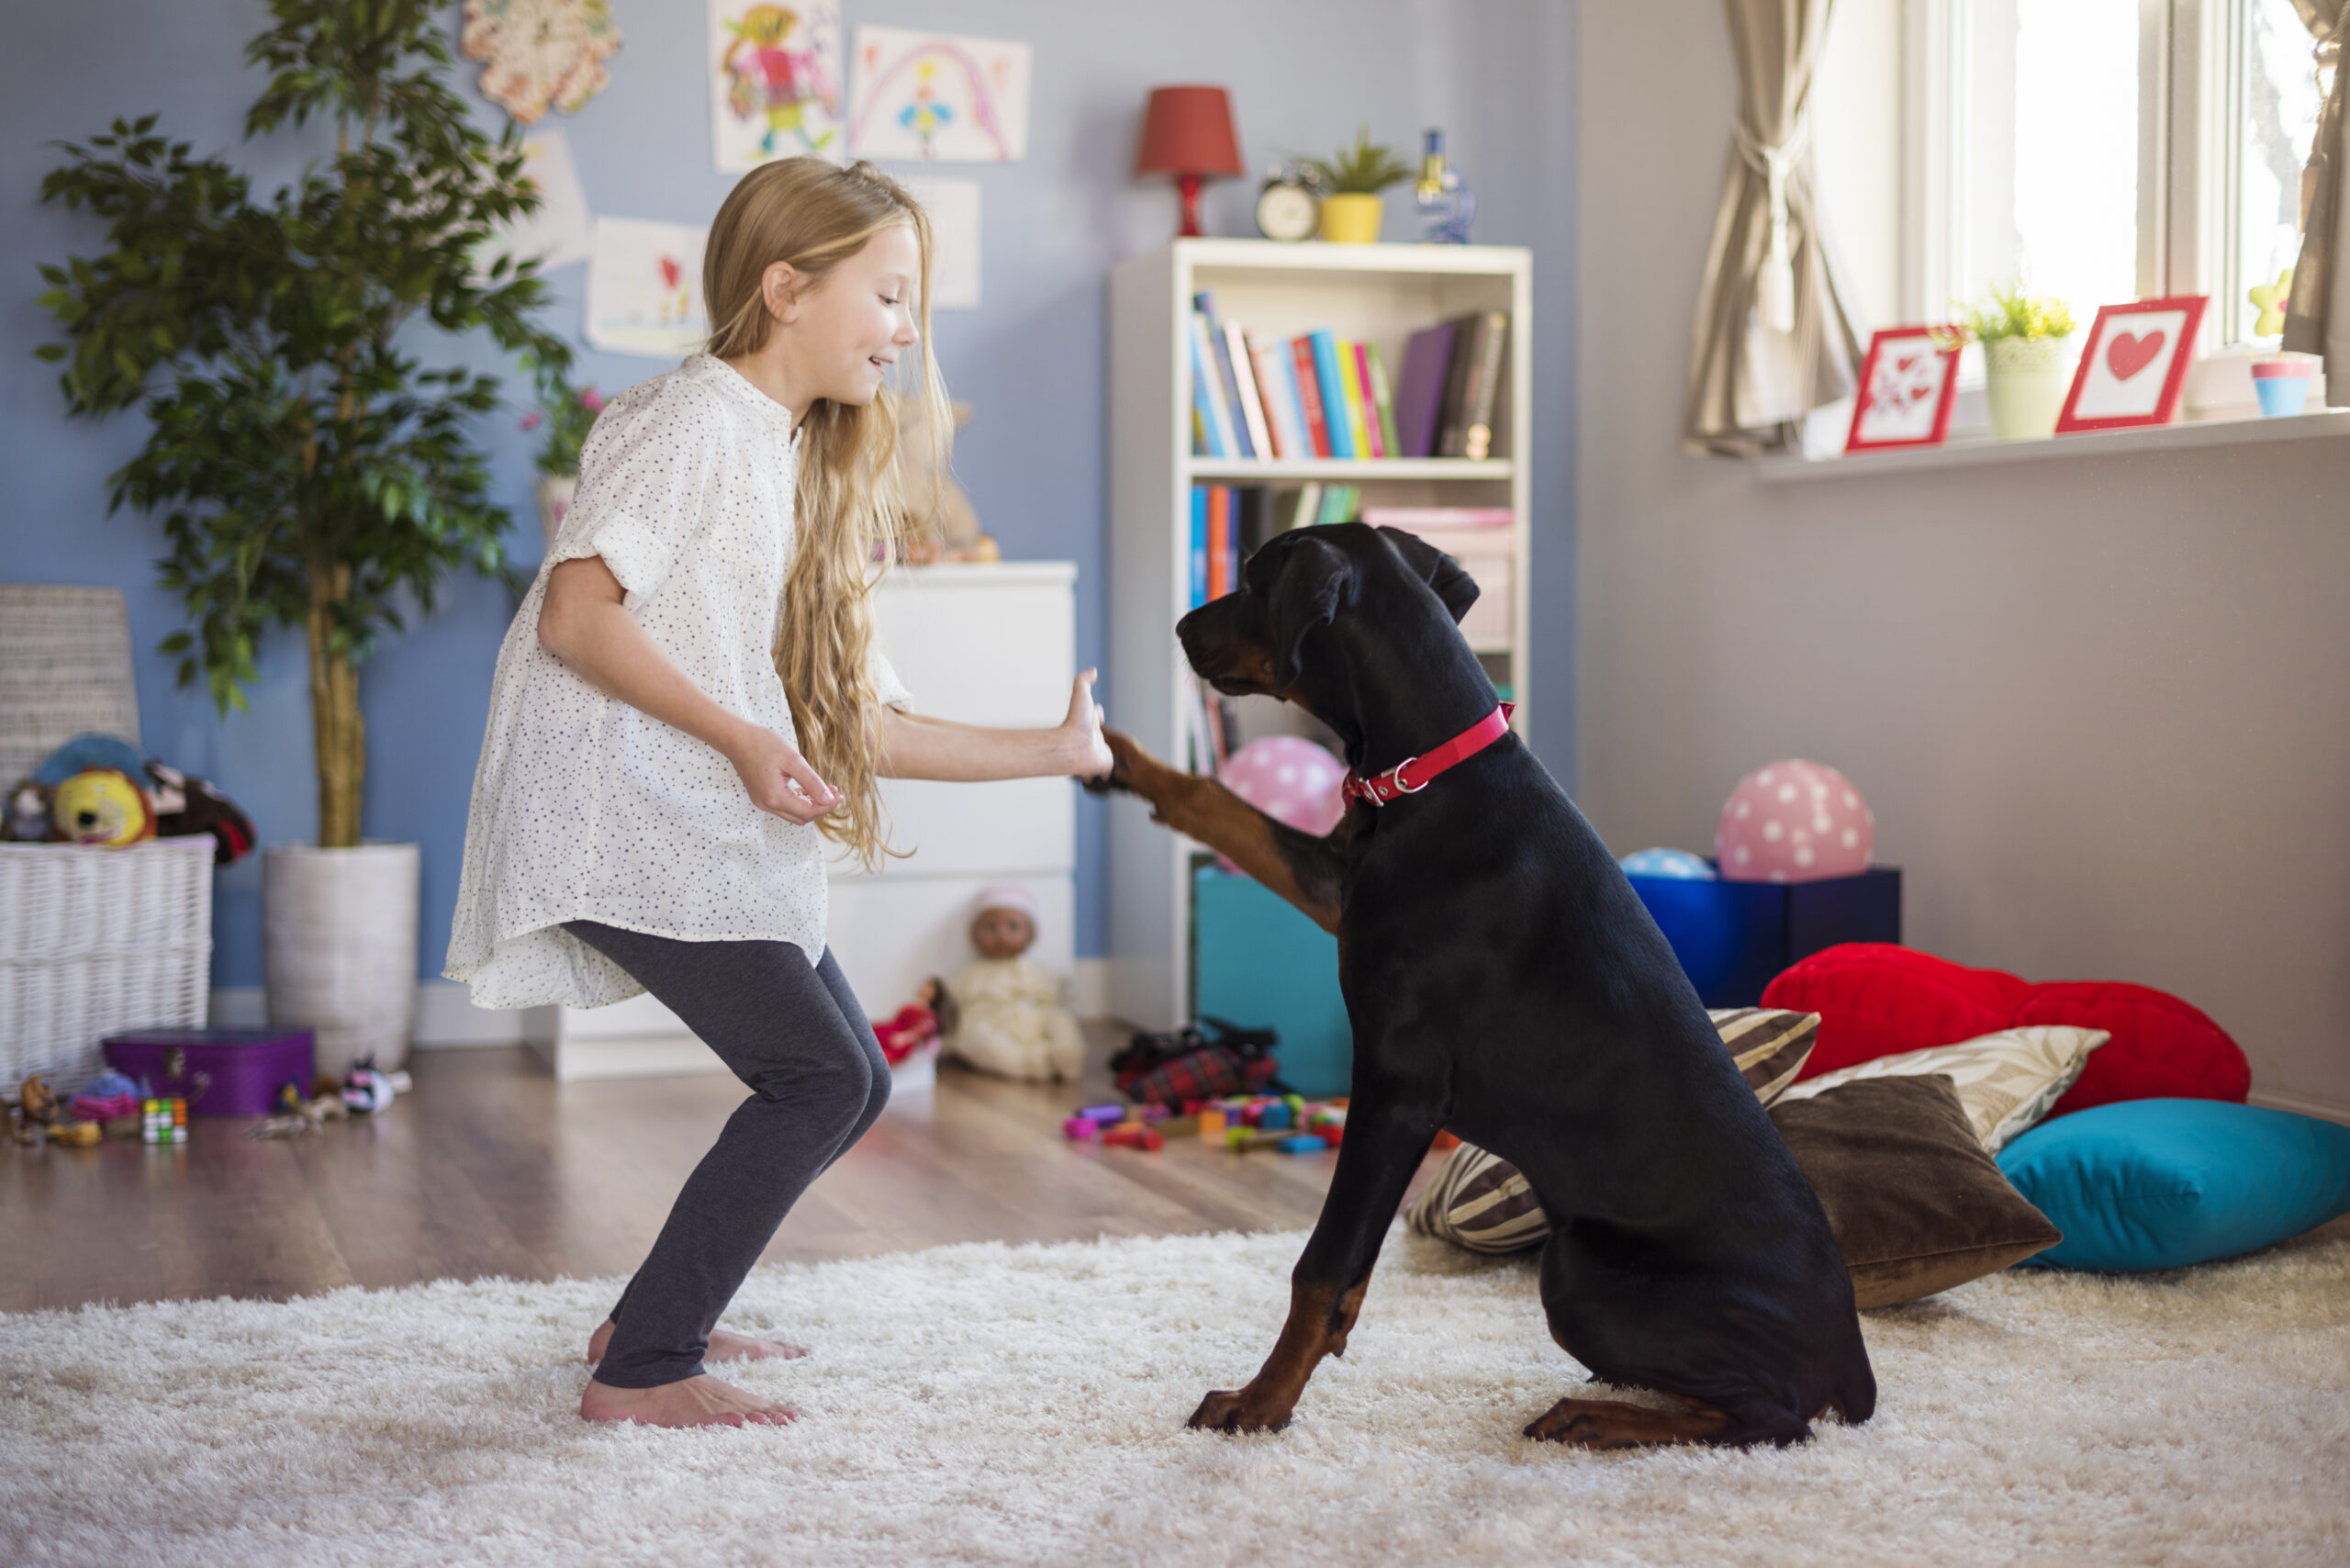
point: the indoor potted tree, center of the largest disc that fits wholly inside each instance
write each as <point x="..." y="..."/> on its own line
<point x="567" y="415"/>
<point x="2027" y="358"/>
<point x="1350" y="183"/>
<point x="309" y="471"/>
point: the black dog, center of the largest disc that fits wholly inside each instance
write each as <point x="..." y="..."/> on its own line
<point x="1506" y="983"/>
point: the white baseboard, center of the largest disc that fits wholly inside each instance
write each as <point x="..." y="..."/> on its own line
<point x="2301" y="1104"/>
<point x="446" y="1018"/>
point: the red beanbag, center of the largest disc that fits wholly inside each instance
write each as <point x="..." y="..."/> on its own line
<point x="1876" y="1000"/>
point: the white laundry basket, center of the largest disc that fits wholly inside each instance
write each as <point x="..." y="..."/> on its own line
<point x="94" y="942"/>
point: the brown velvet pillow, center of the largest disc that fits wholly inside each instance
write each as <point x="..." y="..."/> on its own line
<point x="1915" y="1205"/>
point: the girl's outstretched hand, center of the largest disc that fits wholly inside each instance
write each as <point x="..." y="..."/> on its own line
<point x="777" y="778"/>
<point x="1088" y="753"/>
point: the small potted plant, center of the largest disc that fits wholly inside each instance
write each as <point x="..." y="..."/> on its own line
<point x="2027" y="358"/>
<point x="566" y="415"/>
<point x="1350" y="183"/>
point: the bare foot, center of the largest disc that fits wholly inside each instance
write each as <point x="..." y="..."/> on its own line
<point x="724" y="1346"/>
<point x="697" y="1402"/>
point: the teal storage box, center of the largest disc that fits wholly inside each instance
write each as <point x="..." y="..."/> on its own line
<point x="1258" y="962"/>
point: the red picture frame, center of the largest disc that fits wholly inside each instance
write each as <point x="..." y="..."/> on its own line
<point x="1905" y="365"/>
<point x="2107" y="394"/>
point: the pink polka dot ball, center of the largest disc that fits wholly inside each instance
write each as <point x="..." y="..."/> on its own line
<point x="1793" y="822"/>
<point x="1289" y="780"/>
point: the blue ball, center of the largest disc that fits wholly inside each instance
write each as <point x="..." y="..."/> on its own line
<point x="1677" y="863"/>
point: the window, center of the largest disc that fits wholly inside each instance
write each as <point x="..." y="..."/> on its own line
<point x="2105" y="150"/>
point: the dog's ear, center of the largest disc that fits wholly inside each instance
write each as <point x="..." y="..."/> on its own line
<point x="1439" y="570"/>
<point x="1316" y="579"/>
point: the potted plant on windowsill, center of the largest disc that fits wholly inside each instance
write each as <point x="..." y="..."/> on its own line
<point x="308" y="470"/>
<point x="2027" y="359"/>
<point x="567" y="415"/>
<point x="1350" y="181"/>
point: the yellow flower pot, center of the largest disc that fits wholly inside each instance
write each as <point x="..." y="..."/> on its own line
<point x="1352" y="218"/>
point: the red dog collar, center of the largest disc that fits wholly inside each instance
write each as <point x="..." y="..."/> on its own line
<point x="1412" y="775"/>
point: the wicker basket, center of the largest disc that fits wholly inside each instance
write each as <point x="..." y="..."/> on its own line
<point x="95" y="941"/>
<point x="64" y="671"/>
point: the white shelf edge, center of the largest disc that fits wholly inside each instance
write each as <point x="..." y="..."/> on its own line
<point x="907" y="574"/>
<point x="1786" y="470"/>
<point x="1387" y="256"/>
<point x="1349" y="468"/>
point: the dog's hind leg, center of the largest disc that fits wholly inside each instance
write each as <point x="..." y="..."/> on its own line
<point x="1375" y="1165"/>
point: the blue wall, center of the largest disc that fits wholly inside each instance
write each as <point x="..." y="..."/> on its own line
<point x="1032" y="361"/>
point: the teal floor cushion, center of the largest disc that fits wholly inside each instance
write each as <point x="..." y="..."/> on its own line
<point x="2162" y="1183"/>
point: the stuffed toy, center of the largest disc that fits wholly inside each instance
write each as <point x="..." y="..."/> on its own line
<point x="1874" y="999"/>
<point x="27" y="821"/>
<point x="939" y="524"/>
<point x="1011" y="1018"/>
<point x="916" y="1024"/>
<point x="36" y="1110"/>
<point x="186" y="805"/>
<point x="101" y="806"/>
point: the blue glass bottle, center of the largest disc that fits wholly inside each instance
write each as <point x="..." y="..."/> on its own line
<point x="1445" y="203"/>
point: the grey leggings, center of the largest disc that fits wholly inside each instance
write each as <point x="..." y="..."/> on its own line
<point x="797" y="1037"/>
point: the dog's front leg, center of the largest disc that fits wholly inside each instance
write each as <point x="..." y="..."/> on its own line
<point x="1296" y="865"/>
<point x="1381" y="1149"/>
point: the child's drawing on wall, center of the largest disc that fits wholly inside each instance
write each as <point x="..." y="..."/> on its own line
<point x="778" y="91"/>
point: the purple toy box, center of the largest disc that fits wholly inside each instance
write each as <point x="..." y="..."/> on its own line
<point x="219" y="1072"/>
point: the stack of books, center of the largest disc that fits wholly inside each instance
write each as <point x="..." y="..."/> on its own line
<point x="1323" y="396"/>
<point x="1230" y="521"/>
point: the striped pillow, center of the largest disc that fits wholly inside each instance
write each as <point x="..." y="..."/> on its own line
<point x="2006" y="1082"/>
<point x="1480" y="1201"/>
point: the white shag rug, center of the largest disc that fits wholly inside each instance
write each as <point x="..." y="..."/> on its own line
<point x="996" y="1404"/>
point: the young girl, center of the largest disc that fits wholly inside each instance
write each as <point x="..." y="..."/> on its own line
<point x="689" y="697"/>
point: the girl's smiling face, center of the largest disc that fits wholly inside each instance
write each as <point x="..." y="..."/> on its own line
<point x="847" y="329"/>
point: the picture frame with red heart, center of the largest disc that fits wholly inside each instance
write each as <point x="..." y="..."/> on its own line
<point x="1907" y="383"/>
<point x="2136" y="366"/>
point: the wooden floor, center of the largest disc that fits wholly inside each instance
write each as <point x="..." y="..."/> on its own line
<point x="491" y="1168"/>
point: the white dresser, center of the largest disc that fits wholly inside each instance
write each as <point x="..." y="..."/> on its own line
<point x="982" y="644"/>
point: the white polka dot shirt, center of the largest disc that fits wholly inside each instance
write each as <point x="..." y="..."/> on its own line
<point x="585" y="808"/>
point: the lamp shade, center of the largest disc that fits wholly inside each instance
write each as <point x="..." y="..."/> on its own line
<point x="1188" y="130"/>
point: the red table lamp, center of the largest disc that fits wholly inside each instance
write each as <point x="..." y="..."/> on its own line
<point x="1186" y="132"/>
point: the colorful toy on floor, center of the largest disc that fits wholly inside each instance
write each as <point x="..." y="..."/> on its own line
<point x="109" y="1097"/>
<point x="1135" y="1135"/>
<point x="36" y="1110"/>
<point x="1080" y="1128"/>
<point x="1011" y="1019"/>
<point x="1794" y="821"/>
<point x="366" y="1091"/>
<point x="163" y="1121"/>
<point x="916" y="1024"/>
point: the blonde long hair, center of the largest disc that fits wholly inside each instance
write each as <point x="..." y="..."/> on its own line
<point x="850" y="508"/>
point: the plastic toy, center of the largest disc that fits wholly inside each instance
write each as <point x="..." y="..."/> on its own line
<point x="1110" y="1113"/>
<point x="1080" y="1127"/>
<point x="916" y="1024"/>
<point x="1793" y="822"/>
<point x="163" y="1121"/>
<point x="1011" y="1018"/>
<point x="1135" y="1135"/>
<point x="1274" y="1118"/>
<point x="1304" y="1143"/>
<point x="106" y="1098"/>
<point x="1212" y="1124"/>
<point x="27" y="819"/>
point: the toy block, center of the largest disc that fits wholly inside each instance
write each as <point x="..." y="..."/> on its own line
<point x="1110" y="1113"/>
<point x="1143" y="1137"/>
<point x="1080" y="1127"/>
<point x="1304" y="1143"/>
<point x="1212" y="1124"/>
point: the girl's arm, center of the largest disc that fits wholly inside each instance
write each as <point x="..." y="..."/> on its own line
<point x="582" y="623"/>
<point x="914" y="746"/>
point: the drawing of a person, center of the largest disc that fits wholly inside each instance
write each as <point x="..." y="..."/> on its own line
<point x="926" y="113"/>
<point x="772" y="69"/>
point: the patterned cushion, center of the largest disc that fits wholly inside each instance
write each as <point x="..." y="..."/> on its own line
<point x="1480" y="1201"/>
<point x="2006" y="1082"/>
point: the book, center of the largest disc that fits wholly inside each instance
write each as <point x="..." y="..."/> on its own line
<point x="1338" y="504"/>
<point x="1419" y="399"/>
<point x="1219" y="567"/>
<point x="1360" y="416"/>
<point x="1439" y="516"/>
<point x="1374" y="438"/>
<point x="1325" y="351"/>
<point x="1389" y="445"/>
<point x="1252" y="407"/>
<point x="1456" y="382"/>
<point x="1252" y="521"/>
<point x="1305" y="506"/>
<point x="1309" y="395"/>
<point x="1207" y="392"/>
<point x="1283" y="422"/>
<point x="1469" y="428"/>
<point x="1198" y="594"/>
<point x="1227" y="376"/>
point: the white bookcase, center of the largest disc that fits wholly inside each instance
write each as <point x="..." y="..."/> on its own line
<point x="1379" y="294"/>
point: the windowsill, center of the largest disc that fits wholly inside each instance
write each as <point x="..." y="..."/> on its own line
<point x="1980" y="453"/>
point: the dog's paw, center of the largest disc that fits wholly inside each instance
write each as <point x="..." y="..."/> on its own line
<point x="1240" y="1412"/>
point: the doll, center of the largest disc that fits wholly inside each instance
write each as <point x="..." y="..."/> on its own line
<point x="1012" y="1021"/>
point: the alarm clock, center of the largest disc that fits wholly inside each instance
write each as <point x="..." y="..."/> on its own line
<point x="1287" y="209"/>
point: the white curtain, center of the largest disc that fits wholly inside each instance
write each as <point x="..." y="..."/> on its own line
<point x="2317" y="317"/>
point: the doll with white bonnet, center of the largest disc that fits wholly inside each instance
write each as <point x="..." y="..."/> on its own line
<point x="1013" y="1020"/>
